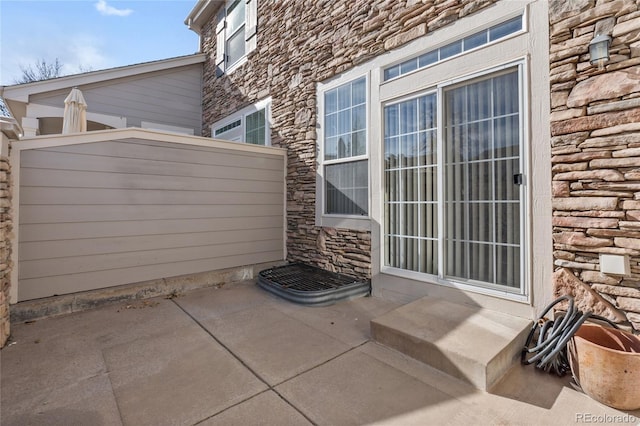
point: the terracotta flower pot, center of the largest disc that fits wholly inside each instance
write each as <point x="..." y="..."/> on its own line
<point x="606" y="364"/>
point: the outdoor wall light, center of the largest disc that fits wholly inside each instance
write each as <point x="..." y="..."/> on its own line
<point x="599" y="50"/>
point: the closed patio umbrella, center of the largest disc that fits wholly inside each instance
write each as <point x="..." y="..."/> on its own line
<point x="75" y="113"/>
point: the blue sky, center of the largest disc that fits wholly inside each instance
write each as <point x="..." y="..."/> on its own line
<point x="91" y="34"/>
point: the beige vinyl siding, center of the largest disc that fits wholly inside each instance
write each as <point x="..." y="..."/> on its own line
<point x="102" y="214"/>
<point x="171" y="97"/>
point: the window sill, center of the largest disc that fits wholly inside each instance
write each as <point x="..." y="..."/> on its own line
<point x="345" y="222"/>
<point x="240" y="62"/>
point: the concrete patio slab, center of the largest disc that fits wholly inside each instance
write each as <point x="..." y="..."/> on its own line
<point x="274" y="345"/>
<point x="348" y="321"/>
<point x="267" y="408"/>
<point x="213" y="303"/>
<point x="189" y="375"/>
<point x="237" y="355"/>
<point x="358" y="389"/>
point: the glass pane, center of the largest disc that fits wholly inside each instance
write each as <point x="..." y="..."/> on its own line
<point x="428" y="58"/>
<point x="410" y="186"/>
<point x="427" y="112"/>
<point x="391" y="150"/>
<point x="475" y="40"/>
<point x="359" y="91"/>
<point x="480" y="181"/>
<point x="427" y="148"/>
<point x="392" y="72"/>
<point x="255" y="120"/>
<point x="344" y="96"/>
<point x="331" y="148"/>
<point x="429" y="256"/>
<point x="457" y="255"/>
<point x="481" y="221"/>
<point x="508" y="266"/>
<point x="478" y="141"/>
<point x="409" y="66"/>
<point x="255" y="127"/>
<point x="506" y="140"/>
<point x="235" y="16"/>
<point x="428" y="184"/>
<point x="408" y="116"/>
<point x="505" y="189"/>
<point x="358" y="118"/>
<point x="391" y="120"/>
<point x="255" y="137"/>
<point x="359" y="143"/>
<point x="393" y="185"/>
<point x="429" y="224"/>
<point x="408" y="151"/>
<point x="456" y="148"/>
<point x="508" y="223"/>
<point x="505" y="94"/>
<point x="344" y="146"/>
<point x="506" y="28"/>
<point x="481" y="262"/>
<point x="347" y="188"/>
<point x="235" y="47"/>
<point x="344" y="122"/>
<point x="455" y="106"/>
<point x="331" y="125"/>
<point x="451" y="49"/>
<point x="479" y="100"/>
<point x="331" y="101"/>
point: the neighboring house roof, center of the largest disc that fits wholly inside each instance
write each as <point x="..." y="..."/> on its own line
<point x="201" y="14"/>
<point x="4" y="111"/>
<point x="119" y="92"/>
<point x="21" y="92"/>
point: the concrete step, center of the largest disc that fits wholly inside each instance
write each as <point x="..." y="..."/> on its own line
<point x="471" y="343"/>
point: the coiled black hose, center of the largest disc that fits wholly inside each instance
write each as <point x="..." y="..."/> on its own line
<point x="549" y="352"/>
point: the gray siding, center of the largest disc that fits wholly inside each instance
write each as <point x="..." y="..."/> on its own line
<point x="109" y="213"/>
<point x="172" y="97"/>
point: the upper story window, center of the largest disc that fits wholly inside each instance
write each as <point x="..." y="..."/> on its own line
<point x="235" y="33"/>
<point x="249" y="125"/>
<point x="473" y="41"/>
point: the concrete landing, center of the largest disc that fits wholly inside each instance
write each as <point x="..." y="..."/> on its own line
<point x="470" y="343"/>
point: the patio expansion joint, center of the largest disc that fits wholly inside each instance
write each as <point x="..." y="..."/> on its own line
<point x="241" y="361"/>
<point x="115" y="399"/>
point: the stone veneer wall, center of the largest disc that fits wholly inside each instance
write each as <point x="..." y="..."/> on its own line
<point x="300" y="43"/>
<point x="5" y="248"/>
<point x="595" y="128"/>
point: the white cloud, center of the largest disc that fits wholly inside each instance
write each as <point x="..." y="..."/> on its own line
<point x="78" y="52"/>
<point x="105" y="9"/>
<point x="83" y="53"/>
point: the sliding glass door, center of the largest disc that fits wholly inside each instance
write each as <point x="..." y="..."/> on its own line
<point x="468" y="174"/>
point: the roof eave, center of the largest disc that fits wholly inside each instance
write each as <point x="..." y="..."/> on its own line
<point x="201" y="13"/>
<point x="10" y="127"/>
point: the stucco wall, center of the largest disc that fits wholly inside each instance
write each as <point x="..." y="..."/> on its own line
<point x="5" y="244"/>
<point x="596" y="154"/>
<point x="301" y="43"/>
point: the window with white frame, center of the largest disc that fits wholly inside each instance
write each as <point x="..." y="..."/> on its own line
<point x="236" y="31"/>
<point x="457" y="47"/>
<point x="344" y="162"/>
<point x="452" y="181"/>
<point x="249" y="125"/>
